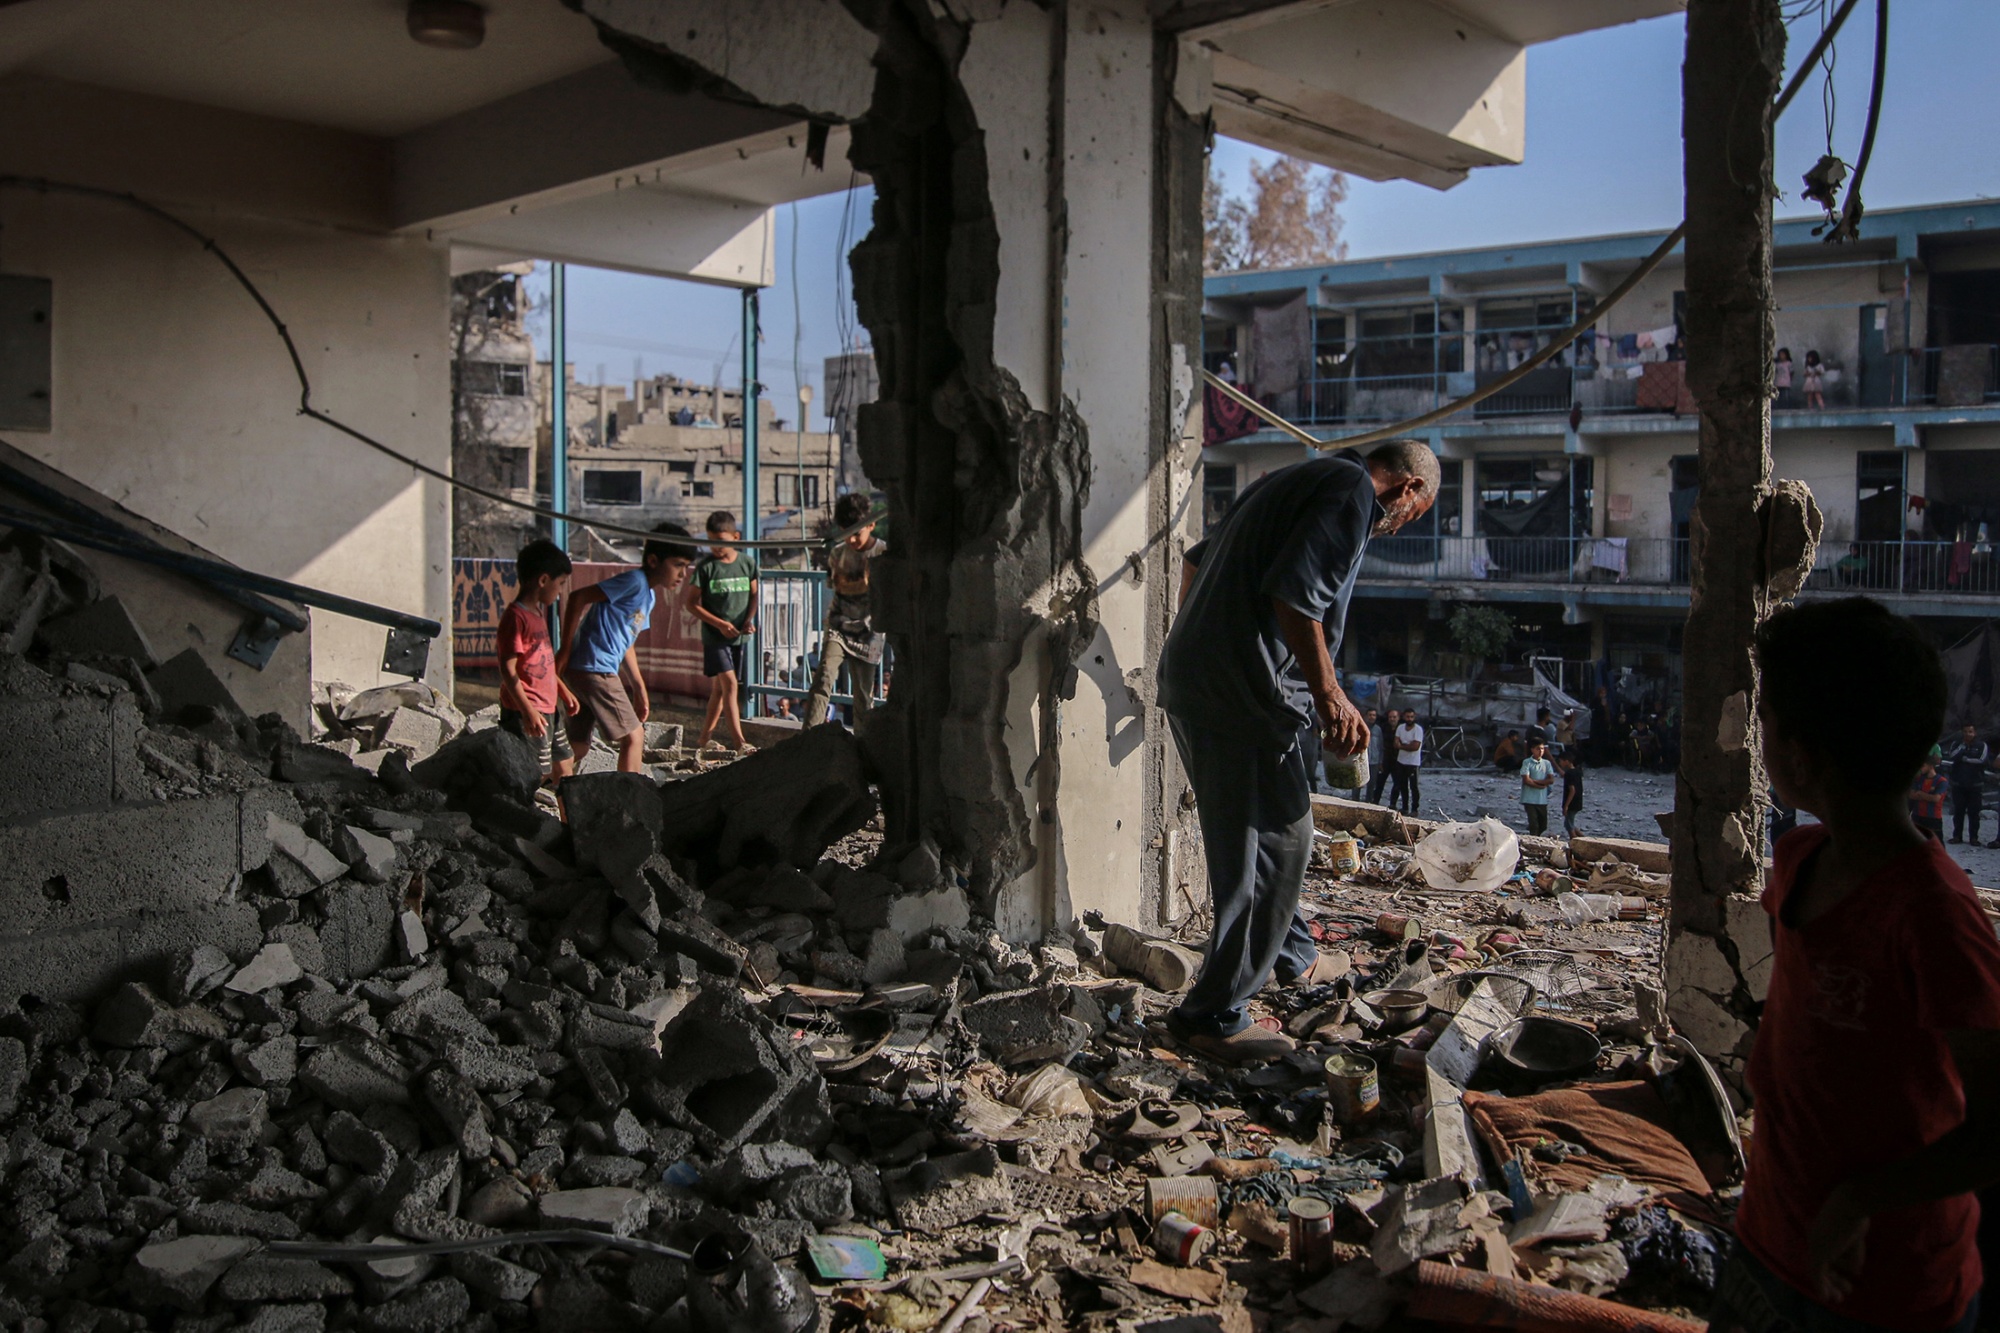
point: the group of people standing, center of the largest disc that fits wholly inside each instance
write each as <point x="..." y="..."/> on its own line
<point x="1395" y="758"/>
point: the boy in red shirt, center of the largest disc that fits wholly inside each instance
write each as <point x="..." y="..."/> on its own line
<point x="534" y="702"/>
<point x="1876" y="1069"/>
<point x="1927" y="795"/>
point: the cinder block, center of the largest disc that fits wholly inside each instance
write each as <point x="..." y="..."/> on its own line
<point x="76" y="867"/>
<point x="63" y="753"/>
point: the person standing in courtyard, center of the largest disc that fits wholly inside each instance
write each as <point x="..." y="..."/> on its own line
<point x="1408" y="795"/>
<point x="1927" y="795"/>
<point x="723" y="597"/>
<point x="850" y="636"/>
<point x="1537" y="776"/>
<point x="1248" y="685"/>
<point x="1571" y="767"/>
<point x="1381" y="752"/>
<point x="1965" y="766"/>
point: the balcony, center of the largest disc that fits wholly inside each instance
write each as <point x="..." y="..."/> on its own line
<point x="1927" y="377"/>
<point x="1931" y="569"/>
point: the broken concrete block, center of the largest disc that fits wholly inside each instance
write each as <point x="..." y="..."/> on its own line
<point x="355" y="937"/>
<point x="350" y="1141"/>
<point x="267" y="1062"/>
<point x="233" y="1118"/>
<point x="493" y="1276"/>
<point x="104" y="628"/>
<point x="694" y="936"/>
<point x="264" y="1277"/>
<point x="946" y="1192"/>
<point x="411" y="937"/>
<point x="724" y="1067"/>
<point x="822" y="1195"/>
<point x="180" y="1272"/>
<point x="186" y="681"/>
<point x="784" y="805"/>
<point x="418" y="735"/>
<point x="432" y="1307"/>
<point x="274" y="965"/>
<point x="611" y="1209"/>
<point x="285" y="1317"/>
<point x="235" y="1219"/>
<point x="310" y="856"/>
<point x="915" y="915"/>
<point x="1026" y="1026"/>
<point x="133" y="1016"/>
<point x="196" y="972"/>
<point x="483" y="763"/>
<point x="355" y="1075"/>
<point x="459" y="1107"/>
<point x="500" y="1202"/>
<point x="370" y="857"/>
<point x="883" y="960"/>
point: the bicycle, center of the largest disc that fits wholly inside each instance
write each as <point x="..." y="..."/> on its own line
<point x="1454" y="746"/>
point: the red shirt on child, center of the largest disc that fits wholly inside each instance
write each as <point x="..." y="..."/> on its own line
<point x="1850" y="1071"/>
<point x="524" y="634"/>
<point x="1927" y="797"/>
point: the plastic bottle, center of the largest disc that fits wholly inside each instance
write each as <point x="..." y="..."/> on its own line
<point x="1577" y="908"/>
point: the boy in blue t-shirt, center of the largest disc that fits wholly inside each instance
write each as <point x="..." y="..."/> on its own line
<point x="600" y="624"/>
<point x="1537" y="776"/>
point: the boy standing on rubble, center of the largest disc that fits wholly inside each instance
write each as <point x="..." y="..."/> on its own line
<point x="1248" y="683"/>
<point x="598" y="660"/>
<point x="534" y="702"/>
<point x="1537" y="776"/>
<point x="850" y="637"/>
<point x="1859" y="1212"/>
<point x="723" y="597"/>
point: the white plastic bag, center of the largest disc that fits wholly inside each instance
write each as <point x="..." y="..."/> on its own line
<point x="1469" y="856"/>
<point x="1050" y="1090"/>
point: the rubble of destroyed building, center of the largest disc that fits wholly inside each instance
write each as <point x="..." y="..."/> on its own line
<point x="702" y="1051"/>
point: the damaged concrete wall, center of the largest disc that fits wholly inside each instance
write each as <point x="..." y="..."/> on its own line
<point x="1027" y="290"/>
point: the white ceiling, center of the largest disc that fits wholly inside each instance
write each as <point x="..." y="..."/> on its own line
<point x="348" y="64"/>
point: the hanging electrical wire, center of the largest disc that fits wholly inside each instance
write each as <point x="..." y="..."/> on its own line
<point x="1849" y="226"/>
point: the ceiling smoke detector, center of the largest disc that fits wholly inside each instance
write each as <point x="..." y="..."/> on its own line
<point x="455" y="25"/>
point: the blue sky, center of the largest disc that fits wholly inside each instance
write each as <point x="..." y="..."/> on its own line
<point x="1604" y="155"/>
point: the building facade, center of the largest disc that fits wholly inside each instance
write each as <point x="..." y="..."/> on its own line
<point x="1566" y="497"/>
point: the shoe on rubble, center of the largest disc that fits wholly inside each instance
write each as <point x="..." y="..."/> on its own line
<point x="1253" y="1045"/>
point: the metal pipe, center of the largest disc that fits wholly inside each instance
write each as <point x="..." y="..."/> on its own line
<point x="753" y="656"/>
<point x="559" y="401"/>
<point x="216" y="572"/>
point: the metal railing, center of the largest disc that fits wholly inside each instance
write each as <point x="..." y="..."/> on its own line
<point x="1660" y="561"/>
<point x="791" y="619"/>
<point x="1914" y="380"/>
<point x="1929" y="567"/>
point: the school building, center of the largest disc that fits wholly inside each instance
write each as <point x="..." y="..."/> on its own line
<point x="1567" y="497"/>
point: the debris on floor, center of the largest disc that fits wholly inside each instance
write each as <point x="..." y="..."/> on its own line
<point x="708" y="1054"/>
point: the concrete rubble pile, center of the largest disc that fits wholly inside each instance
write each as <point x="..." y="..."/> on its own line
<point x="776" y="1073"/>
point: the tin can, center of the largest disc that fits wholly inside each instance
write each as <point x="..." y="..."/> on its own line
<point x="1193" y="1197"/>
<point x="1310" y="1222"/>
<point x="1397" y="926"/>
<point x="1181" y="1241"/>
<point x="1352" y="1087"/>
<point x="1344" y="852"/>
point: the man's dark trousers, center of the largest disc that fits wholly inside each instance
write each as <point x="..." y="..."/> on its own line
<point x="1964" y="810"/>
<point x="1255" y="807"/>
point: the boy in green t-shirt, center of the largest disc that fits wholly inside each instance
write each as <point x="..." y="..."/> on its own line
<point x="722" y="595"/>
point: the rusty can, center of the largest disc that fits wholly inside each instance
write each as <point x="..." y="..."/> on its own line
<point x="1193" y="1197"/>
<point x="1181" y="1240"/>
<point x="1310" y="1222"/>
<point x="1397" y="926"/>
<point x="1353" y="1088"/>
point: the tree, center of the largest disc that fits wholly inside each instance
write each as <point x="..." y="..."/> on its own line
<point x="1481" y="632"/>
<point x="1292" y="218"/>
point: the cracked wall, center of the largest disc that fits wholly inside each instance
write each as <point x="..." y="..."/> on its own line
<point x="1031" y="282"/>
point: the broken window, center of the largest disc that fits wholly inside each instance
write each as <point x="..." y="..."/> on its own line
<point x="502" y="379"/>
<point x="699" y="490"/>
<point x="684" y="466"/>
<point x="605" y="487"/>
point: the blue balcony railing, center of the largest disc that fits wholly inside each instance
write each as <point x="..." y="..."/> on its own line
<point x="791" y="618"/>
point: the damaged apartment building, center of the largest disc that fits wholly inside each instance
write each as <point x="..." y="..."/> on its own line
<point x="1568" y="497"/>
<point x="272" y="997"/>
<point x="658" y="450"/>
